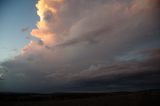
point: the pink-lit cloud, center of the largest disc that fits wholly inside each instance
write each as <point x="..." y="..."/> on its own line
<point x="80" y="39"/>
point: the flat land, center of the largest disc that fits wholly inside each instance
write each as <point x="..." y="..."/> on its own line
<point x="139" y="98"/>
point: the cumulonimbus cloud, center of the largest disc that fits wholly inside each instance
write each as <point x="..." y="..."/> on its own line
<point x="80" y="40"/>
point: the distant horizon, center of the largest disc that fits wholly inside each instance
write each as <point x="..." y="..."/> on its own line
<point x="65" y="92"/>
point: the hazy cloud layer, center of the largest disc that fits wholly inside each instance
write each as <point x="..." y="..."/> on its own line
<point x="89" y="45"/>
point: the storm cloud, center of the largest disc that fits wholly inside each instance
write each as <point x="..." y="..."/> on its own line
<point x="89" y="45"/>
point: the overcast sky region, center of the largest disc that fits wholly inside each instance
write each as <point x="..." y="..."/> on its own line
<point x="79" y="45"/>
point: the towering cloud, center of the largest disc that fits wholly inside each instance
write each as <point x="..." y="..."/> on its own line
<point x="85" y="43"/>
<point x="47" y="11"/>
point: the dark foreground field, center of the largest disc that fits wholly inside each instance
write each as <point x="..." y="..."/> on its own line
<point x="141" y="98"/>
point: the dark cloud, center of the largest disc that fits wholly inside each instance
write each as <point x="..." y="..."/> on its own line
<point x="25" y="29"/>
<point x="48" y="16"/>
<point x="131" y="75"/>
<point x="40" y="42"/>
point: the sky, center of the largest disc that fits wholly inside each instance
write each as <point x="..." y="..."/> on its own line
<point x="79" y="45"/>
<point x="15" y="16"/>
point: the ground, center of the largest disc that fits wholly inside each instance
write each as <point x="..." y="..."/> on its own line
<point x="139" y="98"/>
